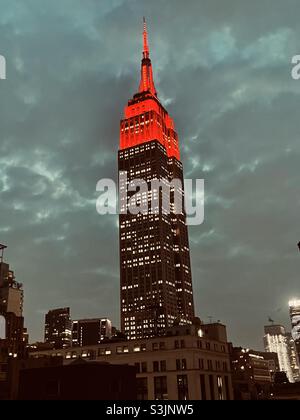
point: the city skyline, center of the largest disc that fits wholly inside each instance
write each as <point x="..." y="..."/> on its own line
<point x="245" y="264"/>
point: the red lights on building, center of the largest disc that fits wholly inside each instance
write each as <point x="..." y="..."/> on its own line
<point x="145" y="117"/>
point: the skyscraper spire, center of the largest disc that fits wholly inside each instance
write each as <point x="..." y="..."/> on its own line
<point x="146" y="52"/>
<point x="147" y="82"/>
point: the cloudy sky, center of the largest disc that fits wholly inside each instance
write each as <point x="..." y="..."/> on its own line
<point x="223" y="69"/>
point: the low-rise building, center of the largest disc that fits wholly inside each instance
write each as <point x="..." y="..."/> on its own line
<point x="79" y="380"/>
<point x="252" y="373"/>
<point x="190" y="362"/>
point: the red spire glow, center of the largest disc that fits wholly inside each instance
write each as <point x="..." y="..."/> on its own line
<point x="147" y="82"/>
<point x="146" y="52"/>
<point x="145" y="117"/>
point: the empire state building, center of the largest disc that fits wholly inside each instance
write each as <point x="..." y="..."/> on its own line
<point x="155" y="270"/>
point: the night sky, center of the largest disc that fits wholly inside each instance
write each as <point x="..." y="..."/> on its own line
<point x="222" y="68"/>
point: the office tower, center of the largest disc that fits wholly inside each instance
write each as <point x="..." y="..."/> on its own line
<point x="295" y="320"/>
<point x="293" y="357"/>
<point x="11" y="309"/>
<point x="58" y="328"/>
<point x="275" y="341"/>
<point x="89" y="332"/>
<point x="12" y="342"/>
<point x="155" y="271"/>
<point x="11" y="292"/>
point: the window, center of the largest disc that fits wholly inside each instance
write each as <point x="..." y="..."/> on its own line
<point x="182" y="344"/>
<point x="101" y="352"/>
<point x="160" y="388"/>
<point x="119" y="350"/>
<point x="163" y="366"/>
<point x="176" y="344"/>
<point x="162" y="345"/>
<point x="144" y="367"/>
<point x="203" y="388"/>
<point x="155" y="367"/>
<point x="209" y="365"/>
<point x="220" y="388"/>
<point x="225" y="367"/>
<point x="218" y="365"/>
<point x="142" y="389"/>
<point x="181" y="364"/>
<point x="137" y="367"/>
<point x="182" y="387"/>
<point x="155" y="346"/>
<point x="212" y="387"/>
<point x="207" y="346"/>
<point x="201" y="364"/>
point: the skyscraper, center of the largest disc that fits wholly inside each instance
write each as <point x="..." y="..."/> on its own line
<point x="293" y="357"/>
<point x="275" y="341"/>
<point x="295" y="320"/>
<point x="58" y="328"/>
<point x="155" y="270"/>
<point x="89" y="332"/>
<point x="12" y="344"/>
<point x="11" y="292"/>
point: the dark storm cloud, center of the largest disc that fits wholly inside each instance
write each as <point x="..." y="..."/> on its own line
<point x="223" y="70"/>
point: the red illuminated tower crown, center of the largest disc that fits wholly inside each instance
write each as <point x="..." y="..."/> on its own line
<point x="145" y="118"/>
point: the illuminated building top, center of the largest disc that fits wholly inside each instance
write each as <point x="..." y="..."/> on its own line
<point x="145" y="119"/>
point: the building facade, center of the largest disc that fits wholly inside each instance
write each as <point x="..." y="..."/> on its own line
<point x="11" y="292"/>
<point x="293" y="355"/>
<point x="187" y="363"/>
<point x="78" y="381"/>
<point x="275" y="341"/>
<point x="253" y="373"/>
<point x="86" y="332"/>
<point x="58" y="328"/>
<point x="295" y="320"/>
<point x="12" y="337"/>
<point x="155" y="269"/>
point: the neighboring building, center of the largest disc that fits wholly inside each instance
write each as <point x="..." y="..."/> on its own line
<point x="155" y="269"/>
<point x="39" y="346"/>
<point x="88" y="332"/>
<point x="293" y="355"/>
<point x="58" y="328"/>
<point x="78" y="381"/>
<point x="275" y="341"/>
<point x="286" y="392"/>
<point x="11" y="292"/>
<point x="188" y="363"/>
<point x="12" y="334"/>
<point x="252" y="373"/>
<point x="295" y="320"/>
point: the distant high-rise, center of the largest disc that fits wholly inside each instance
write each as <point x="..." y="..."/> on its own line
<point x="58" y="328"/>
<point x="90" y="332"/>
<point x="11" y="292"/>
<point x="275" y="341"/>
<point x="12" y="341"/>
<point x="293" y="357"/>
<point x="155" y="269"/>
<point x="295" y="320"/>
